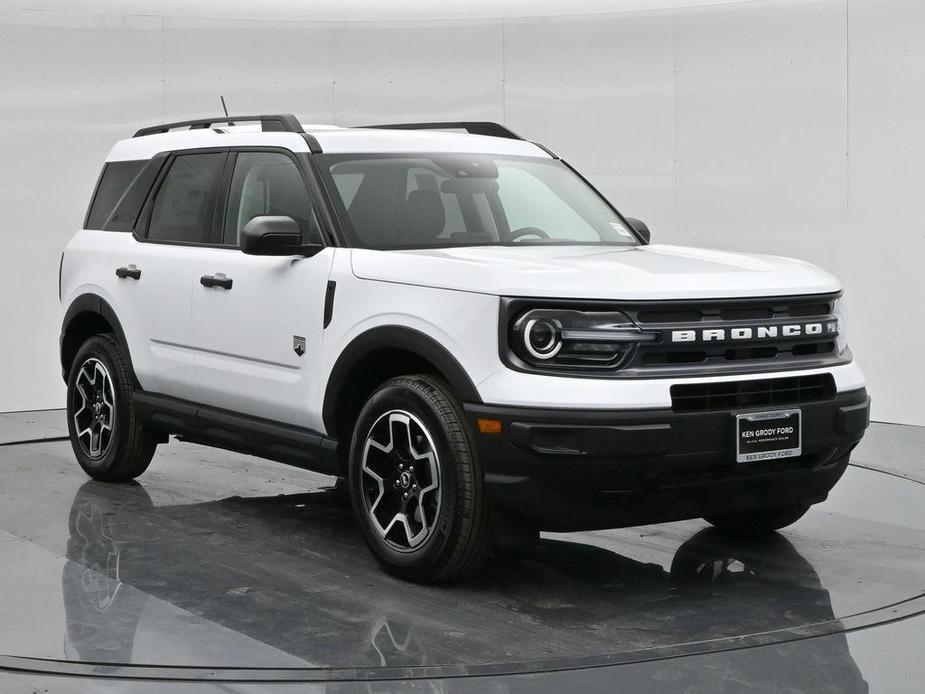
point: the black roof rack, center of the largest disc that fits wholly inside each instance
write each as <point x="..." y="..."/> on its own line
<point x="471" y="127"/>
<point x="285" y="122"/>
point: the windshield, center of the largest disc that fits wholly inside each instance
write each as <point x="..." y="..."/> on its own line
<point x="434" y="200"/>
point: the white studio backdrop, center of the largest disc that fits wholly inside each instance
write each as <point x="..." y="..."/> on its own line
<point x="783" y="127"/>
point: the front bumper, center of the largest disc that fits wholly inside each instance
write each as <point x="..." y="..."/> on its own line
<point x="565" y="469"/>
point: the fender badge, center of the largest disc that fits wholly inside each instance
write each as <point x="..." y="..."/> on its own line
<point x="298" y="344"/>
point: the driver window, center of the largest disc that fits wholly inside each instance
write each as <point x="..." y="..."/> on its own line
<point x="528" y="202"/>
<point x="268" y="183"/>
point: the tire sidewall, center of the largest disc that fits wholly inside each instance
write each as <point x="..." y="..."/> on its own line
<point x="435" y="547"/>
<point x="106" y="352"/>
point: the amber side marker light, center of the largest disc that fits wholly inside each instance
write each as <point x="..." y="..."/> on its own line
<point x="489" y="426"/>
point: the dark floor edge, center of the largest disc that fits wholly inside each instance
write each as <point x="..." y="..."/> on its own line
<point x="897" y="424"/>
<point x="909" y="477"/>
<point x="913" y="607"/>
<point x="26" y="442"/>
<point x="37" y="409"/>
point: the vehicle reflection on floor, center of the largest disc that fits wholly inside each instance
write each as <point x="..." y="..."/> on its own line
<point x="290" y="571"/>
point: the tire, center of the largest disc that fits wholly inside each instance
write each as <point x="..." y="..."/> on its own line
<point x="761" y="521"/>
<point x="109" y="442"/>
<point x="417" y="531"/>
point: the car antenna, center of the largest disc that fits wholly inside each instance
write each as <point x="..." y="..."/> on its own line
<point x="225" y="109"/>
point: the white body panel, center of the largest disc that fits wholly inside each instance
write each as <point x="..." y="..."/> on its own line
<point x="589" y="272"/>
<point x="337" y="141"/>
<point x="240" y="136"/>
<point x="154" y="311"/>
<point x="332" y="140"/>
<point x="466" y="324"/>
<point x="507" y="387"/>
<point x="243" y="338"/>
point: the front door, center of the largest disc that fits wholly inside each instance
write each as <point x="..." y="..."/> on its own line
<point x="258" y="321"/>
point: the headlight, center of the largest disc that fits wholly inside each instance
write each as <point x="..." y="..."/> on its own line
<point x="542" y="337"/>
<point x="567" y="339"/>
<point x="838" y="310"/>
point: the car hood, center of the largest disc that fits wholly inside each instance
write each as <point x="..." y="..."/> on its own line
<point x="643" y="272"/>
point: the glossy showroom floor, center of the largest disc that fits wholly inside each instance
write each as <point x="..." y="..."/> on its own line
<point x="222" y="573"/>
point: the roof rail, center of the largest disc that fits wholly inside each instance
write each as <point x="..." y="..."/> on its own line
<point x="471" y="127"/>
<point x="286" y="123"/>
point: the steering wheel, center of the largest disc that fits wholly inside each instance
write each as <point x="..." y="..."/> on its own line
<point x="529" y="231"/>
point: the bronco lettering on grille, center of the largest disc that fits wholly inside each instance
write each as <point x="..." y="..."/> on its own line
<point x="755" y="332"/>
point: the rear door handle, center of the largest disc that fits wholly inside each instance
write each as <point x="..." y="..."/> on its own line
<point x="215" y="281"/>
<point x="130" y="271"/>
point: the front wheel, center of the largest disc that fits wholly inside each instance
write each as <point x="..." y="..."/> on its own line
<point x="416" y="484"/>
<point x="761" y="521"/>
<point x="109" y="442"/>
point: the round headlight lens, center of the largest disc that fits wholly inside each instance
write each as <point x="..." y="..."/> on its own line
<point x="542" y="338"/>
<point x="565" y="339"/>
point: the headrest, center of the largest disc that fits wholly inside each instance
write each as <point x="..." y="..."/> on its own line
<point x="423" y="217"/>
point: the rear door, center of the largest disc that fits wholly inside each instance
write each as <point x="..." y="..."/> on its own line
<point x="258" y="334"/>
<point x="151" y="269"/>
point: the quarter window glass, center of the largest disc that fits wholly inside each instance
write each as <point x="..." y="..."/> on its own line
<point x="268" y="183"/>
<point x="129" y="207"/>
<point x="185" y="203"/>
<point x="116" y="178"/>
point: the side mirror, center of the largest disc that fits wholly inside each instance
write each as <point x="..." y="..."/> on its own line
<point x="268" y="235"/>
<point x="640" y="228"/>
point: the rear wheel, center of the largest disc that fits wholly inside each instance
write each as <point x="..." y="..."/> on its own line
<point x="759" y="521"/>
<point x="108" y="440"/>
<point x="416" y="483"/>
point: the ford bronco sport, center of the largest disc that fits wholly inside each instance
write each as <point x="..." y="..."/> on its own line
<point x="458" y="325"/>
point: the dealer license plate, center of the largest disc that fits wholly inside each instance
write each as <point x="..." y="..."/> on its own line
<point x="768" y="435"/>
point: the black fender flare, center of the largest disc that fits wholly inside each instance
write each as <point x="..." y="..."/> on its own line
<point x="94" y="304"/>
<point x="394" y="337"/>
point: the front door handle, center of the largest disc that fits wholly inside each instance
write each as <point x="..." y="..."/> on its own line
<point x="215" y="281"/>
<point x="130" y="271"/>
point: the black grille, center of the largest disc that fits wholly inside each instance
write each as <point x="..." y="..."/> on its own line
<point x="663" y="356"/>
<point x="793" y="390"/>
<point x="703" y="337"/>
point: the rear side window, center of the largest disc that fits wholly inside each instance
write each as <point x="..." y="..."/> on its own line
<point x="185" y="202"/>
<point x="115" y="180"/>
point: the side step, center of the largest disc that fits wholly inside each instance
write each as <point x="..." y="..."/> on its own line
<point x="238" y="432"/>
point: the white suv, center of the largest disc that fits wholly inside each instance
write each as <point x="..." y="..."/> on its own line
<point x="458" y="325"/>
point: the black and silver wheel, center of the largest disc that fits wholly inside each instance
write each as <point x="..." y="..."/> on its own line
<point x="94" y="406"/>
<point x="759" y="521"/>
<point x="415" y="482"/>
<point x="400" y="479"/>
<point x="108" y="441"/>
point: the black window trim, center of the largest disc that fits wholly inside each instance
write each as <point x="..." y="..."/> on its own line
<point x="330" y="230"/>
<point x="146" y="163"/>
<point x="96" y="190"/>
<point x="142" y="225"/>
<point x="328" y="237"/>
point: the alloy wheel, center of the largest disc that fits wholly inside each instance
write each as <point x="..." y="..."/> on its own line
<point x="94" y="407"/>
<point x="400" y="480"/>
